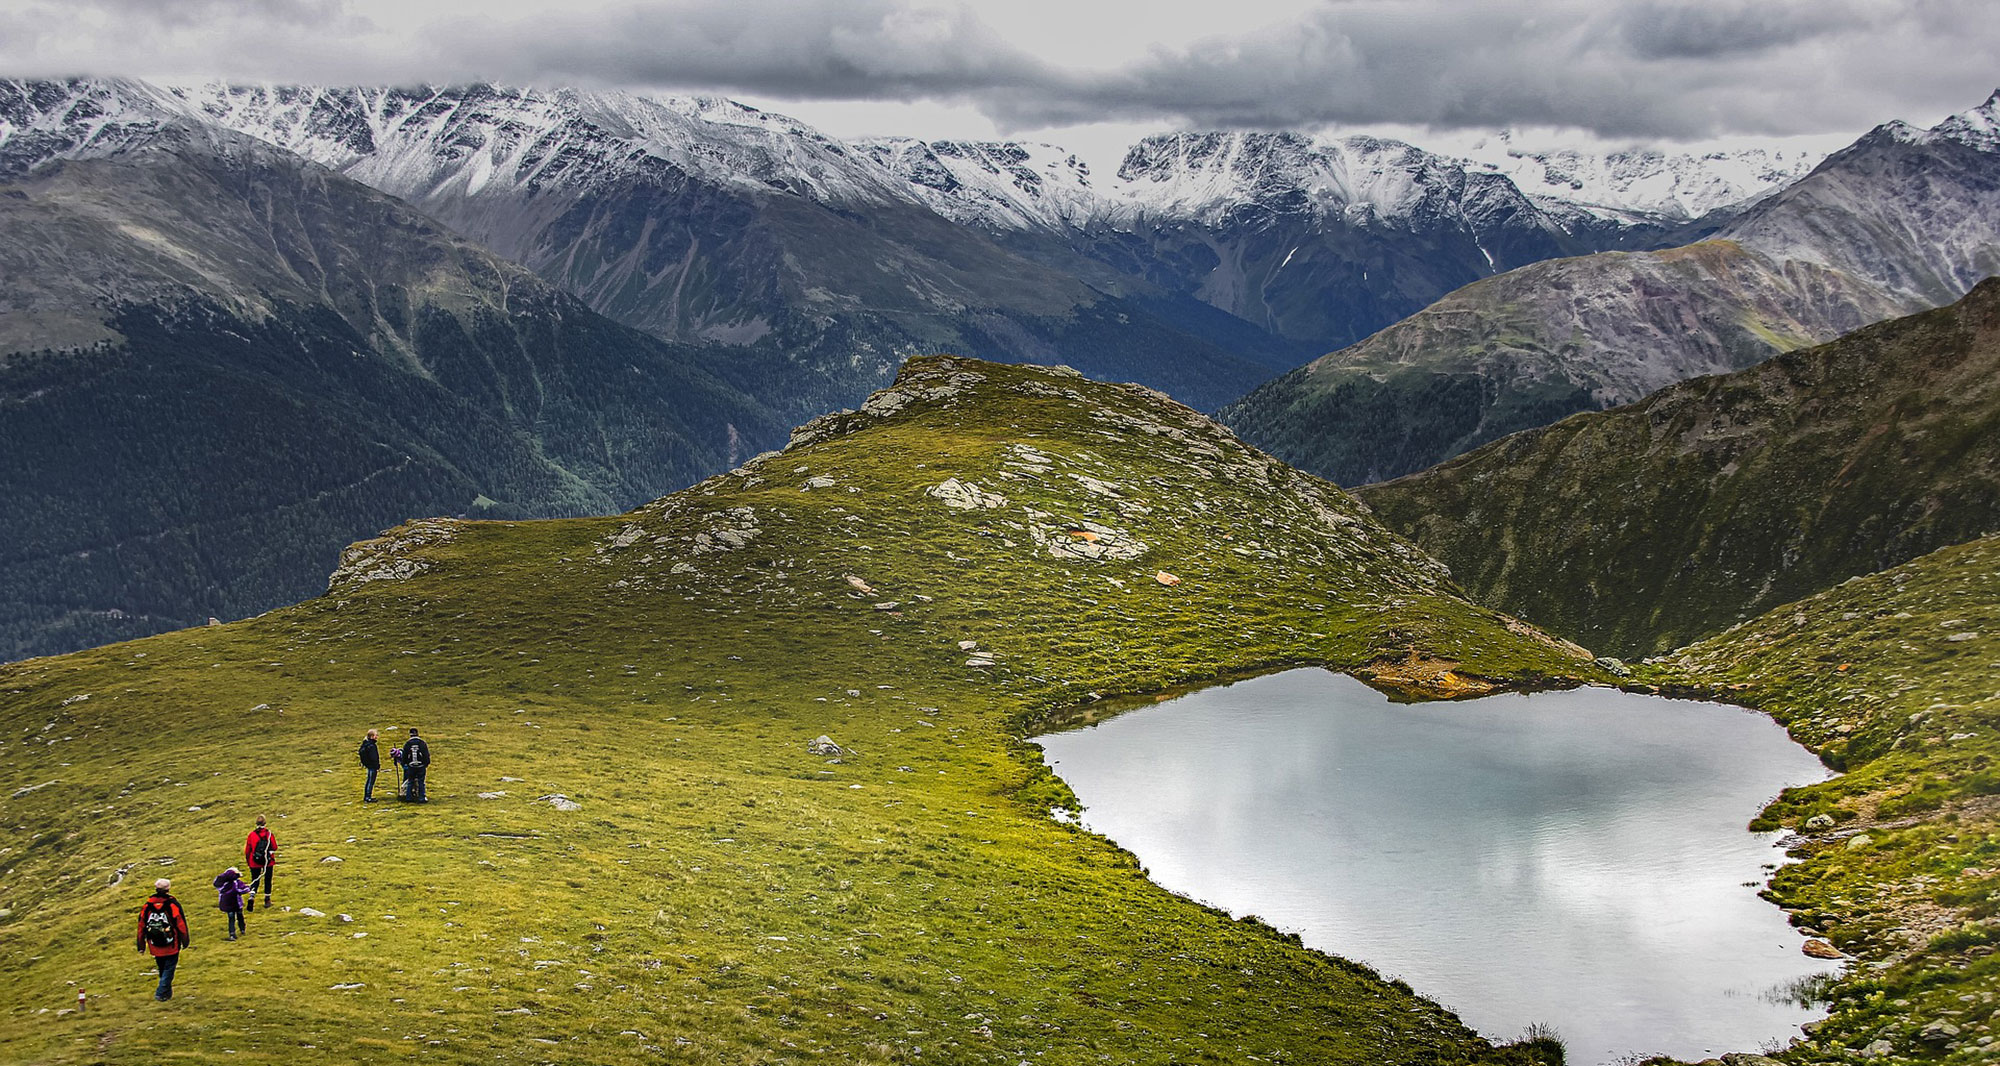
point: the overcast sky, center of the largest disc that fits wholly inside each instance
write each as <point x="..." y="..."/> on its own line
<point x="1101" y="71"/>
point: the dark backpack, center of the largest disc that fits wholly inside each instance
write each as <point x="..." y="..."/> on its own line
<point x="260" y="852"/>
<point x="160" y="926"/>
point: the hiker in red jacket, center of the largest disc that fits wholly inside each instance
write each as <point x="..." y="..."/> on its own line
<point x="260" y="851"/>
<point x="163" y="930"/>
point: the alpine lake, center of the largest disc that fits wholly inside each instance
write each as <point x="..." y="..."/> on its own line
<point x="1573" y="860"/>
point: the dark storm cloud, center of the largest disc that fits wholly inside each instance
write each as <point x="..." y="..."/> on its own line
<point x="858" y="49"/>
<point x="1637" y="68"/>
<point x="1646" y="69"/>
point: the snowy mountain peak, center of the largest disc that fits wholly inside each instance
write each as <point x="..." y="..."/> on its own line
<point x="422" y="141"/>
<point x="1978" y="128"/>
<point x="993" y="184"/>
<point x="1639" y="183"/>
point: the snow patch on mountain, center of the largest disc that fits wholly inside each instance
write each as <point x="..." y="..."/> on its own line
<point x="1638" y="184"/>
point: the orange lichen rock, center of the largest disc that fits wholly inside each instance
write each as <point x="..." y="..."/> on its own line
<point x="1165" y="578"/>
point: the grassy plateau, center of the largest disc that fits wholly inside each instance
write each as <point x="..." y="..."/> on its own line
<point x="922" y="581"/>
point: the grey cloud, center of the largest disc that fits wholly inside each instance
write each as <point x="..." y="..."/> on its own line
<point x="1657" y="30"/>
<point x="1621" y="68"/>
<point x="853" y="50"/>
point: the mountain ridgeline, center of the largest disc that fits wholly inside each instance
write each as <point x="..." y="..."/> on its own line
<point x="1902" y="220"/>
<point x="1646" y="527"/>
<point x="227" y="363"/>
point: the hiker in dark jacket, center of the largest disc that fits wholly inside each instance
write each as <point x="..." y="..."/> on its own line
<point x="371" y="759"/>
<point x="163" y="930"/>
<point x="416" y="760"/>
<point x="229" y="893"/>
<point x="260" y="851"/>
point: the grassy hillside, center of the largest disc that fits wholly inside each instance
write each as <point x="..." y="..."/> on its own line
<point x="1891" y="677"/>
<point x="1642" y="528"/>
<point x="720" y="894"/>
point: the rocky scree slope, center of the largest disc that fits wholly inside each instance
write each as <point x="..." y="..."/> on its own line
<point x="976" y="548"/>
<point x="1648" y="526"/>
<point x="1898" y="222"/>
<point x="222" y="363"/>
<point x="1889" y="677"/>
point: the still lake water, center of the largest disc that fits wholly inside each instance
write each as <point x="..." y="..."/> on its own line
<point x="1576" y="859"/>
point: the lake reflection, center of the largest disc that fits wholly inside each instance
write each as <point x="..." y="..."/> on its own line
<point x="1575" y="859"/>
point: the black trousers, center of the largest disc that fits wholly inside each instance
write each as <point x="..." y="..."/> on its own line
<point x="166" y="964"/>
<point x="261" y="875"/>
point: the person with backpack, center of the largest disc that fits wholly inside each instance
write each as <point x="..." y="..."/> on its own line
<point x="371" y="760"/>
<point x="163" y="930"/>
<point x="229" y="893"/>
<point x="260" y="850"/>
<point x="416" y="760"/>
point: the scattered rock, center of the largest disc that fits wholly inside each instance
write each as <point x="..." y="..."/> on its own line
<point x="824" y="745"/>
<point x="311" y="913"/>
<point x="817" y="481"/>
<point x="965" y="496"/>
<point x="967" y="645"/>
<point x="889" y="605"/>
<point x="1819" y="823"/>
<point x="1090" y="540"/>
<point x="560" y="802"/>
<point x="491" y="795"/>
<point x="330" y="858"/>
<point x="860" y="586"/>
<point x="1878" y="1049"/>
<point x="1165" y="578"/>
<point x="1860" y="842"/>
<point x="349" y="987"/>
<point x="1820" y="949"/>
<point x="1614" y="666"/>
<point x="19" y="792"/>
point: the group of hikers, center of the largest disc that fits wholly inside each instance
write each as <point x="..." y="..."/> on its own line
<point x="413" y="759"/>
<point x="163" y="924"/>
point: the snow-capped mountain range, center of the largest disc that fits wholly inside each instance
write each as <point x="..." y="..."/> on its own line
<point x="429" y="141"/>
<point x="704" y="219"/>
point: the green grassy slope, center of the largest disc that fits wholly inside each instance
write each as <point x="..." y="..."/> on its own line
<point x="1891" y="676"/>
<point x="721" y="895"/>
<point x="1645" y="527"/>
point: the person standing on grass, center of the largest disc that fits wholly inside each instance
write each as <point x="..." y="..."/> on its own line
<point x="229" y="893"/>
<point x="260" y="850"/>
<point x="371" y="760"/>
<point x="163" y="930"/>
<point x="416" y="760"/>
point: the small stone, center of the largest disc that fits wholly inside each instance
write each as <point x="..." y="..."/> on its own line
<point x="823" y="745"/>
<point x="1860" y="842"/>
<point x="1878" y="1049"/>
<point x="967" y="645"/>
<point x="491" y="795"/>
<point x="560" y="802"/>
<point x="1819" y="823"/>
<point x="311" y="913"/>
<point x="331" y="858"/>
<point x="1167" y="579"/>
<point x="1820" y="949"/>
<point x="1614" y="666"/>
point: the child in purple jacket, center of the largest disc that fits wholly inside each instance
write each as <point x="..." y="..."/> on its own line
<point x="229" y="893"/>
